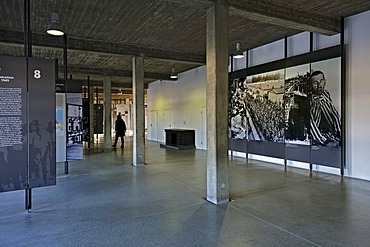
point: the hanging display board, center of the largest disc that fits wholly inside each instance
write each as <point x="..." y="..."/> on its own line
<point x="74" y="121"/>
<point x="41" y="120"/>
<point x="74" y="127"/>
<point x="85" y="120"/>
<point x="98" y="118"/>
<point x="13" y="123"/>
<point x="27" y="123"/>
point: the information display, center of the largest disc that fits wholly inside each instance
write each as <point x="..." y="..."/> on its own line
<point x="74" y="127"/>
<point x="13" y="120"/>
<point x="41" y="114"/>
<point x="291" y="113"/>
<point x="27" y="123"/>
<point x="98" y="118"/>
<point x="11" y="111"/>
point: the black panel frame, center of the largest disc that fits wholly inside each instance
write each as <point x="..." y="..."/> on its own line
<point x="238" y="145"/>
<point x="267" y="148"/>
<point x="315" y="56"/>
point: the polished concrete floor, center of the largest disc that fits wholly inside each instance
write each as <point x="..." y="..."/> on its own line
<point x="105" y="201"/>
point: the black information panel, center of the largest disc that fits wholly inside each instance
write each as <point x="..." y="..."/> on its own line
<point x="41" y="88"/>
<point x="27" y="123"/>
<point x="13" y="120"/>
<point x="98" y="119"/>
<point x="85" y="120"/>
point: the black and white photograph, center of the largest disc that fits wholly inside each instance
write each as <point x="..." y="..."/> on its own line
<point x="325" y="123"/>
<point x="74" y="127"/>
<point x="312" y="104"/>
<point x="256" y="109"/>
<point x="237" y="109"/>
<point x="296" y="104"/>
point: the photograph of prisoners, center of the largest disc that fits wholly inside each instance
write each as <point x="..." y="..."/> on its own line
<point x="299" y="105"/>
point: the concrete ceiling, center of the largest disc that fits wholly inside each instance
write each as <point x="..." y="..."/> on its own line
<point x="103" y="35"/>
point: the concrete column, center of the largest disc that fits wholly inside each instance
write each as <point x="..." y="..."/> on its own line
<point x="107" y="83"/>
<point x="217" y="103"/>
<point x="91" y="113"/>
<point x="138" y="112"/>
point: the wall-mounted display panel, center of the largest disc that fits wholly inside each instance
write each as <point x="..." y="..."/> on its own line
<point x="296" y="105"/>
<point x="290" y="113"/>
<point x="325" y="120"/>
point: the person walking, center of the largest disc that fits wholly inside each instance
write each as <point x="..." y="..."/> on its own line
<point x="120" y="128"/>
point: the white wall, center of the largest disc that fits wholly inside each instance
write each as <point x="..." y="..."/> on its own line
<point x="182" y="103"/>
<point x="358" y="95"/>
<point x="161" y="97"/>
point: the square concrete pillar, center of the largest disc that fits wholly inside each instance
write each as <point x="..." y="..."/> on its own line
<point x="217" y="103"/>
<point x="138" y="111"/>
<point x="91" y="113"/>
<point x="107" y="84"/>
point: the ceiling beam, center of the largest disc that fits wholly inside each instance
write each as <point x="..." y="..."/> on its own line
<point x="194" y="3"/>
<point x="96" y="83"/>
<point x="89" y="45"/>
<point x="118" y="73"/>
<point x="269" y="11"/>
<point x="116" y="91"/>
<point x="272" y="12"/>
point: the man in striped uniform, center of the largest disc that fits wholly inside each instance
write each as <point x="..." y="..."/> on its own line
<point x="324" y="118"/>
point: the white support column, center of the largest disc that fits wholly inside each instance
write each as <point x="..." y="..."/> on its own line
<point x="107" y="83"/>
<point x="217" y="103"/>
<point x="91" y="114"/>
<point x="138" y="112"/>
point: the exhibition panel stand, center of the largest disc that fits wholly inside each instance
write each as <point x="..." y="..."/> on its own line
<point x="27" y="120"/>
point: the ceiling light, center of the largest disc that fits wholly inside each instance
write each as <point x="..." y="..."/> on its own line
<point x="54" y="28"/>
<point x="238" y="54"/>
<point x="173" y="74"/>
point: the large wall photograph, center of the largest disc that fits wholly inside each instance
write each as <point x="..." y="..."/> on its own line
<point x="256" y="107"/>
<point x="298" y="106"/>
<point x="312" y="104"/>
<point x="325" y="98"/>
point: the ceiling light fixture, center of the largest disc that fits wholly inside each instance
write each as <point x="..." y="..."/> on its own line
<point x="239" y="53"/>
<point x="54" y="28"/>
<point x="173" y="74"/>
